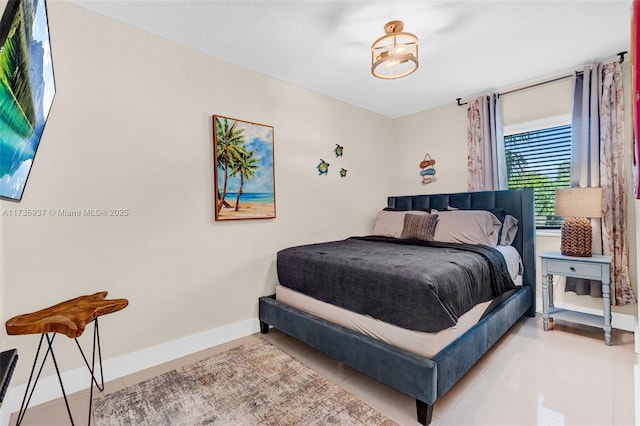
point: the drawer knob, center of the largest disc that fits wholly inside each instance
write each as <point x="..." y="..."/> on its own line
<point x="573" y="269"/>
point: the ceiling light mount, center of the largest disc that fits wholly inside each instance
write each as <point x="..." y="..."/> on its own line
<point x="395" y="54"/>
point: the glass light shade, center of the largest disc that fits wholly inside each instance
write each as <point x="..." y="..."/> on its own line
<point x="579" y="202"/>
<point x="395" y="54"/>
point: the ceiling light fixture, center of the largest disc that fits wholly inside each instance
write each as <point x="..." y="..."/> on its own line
<point x="395" y="54"/>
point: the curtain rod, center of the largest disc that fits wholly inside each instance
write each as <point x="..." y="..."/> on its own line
<point x="542" y="83"/>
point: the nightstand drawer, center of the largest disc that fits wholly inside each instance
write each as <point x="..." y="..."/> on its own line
<point x="574" y="269"/>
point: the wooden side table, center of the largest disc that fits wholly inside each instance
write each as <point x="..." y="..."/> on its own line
<point x="596" y="267"/>
<point x="70" y="317"/>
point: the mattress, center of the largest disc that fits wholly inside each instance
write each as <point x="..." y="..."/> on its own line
<point x="419" y="285"/>
<point x="417" y="342"/>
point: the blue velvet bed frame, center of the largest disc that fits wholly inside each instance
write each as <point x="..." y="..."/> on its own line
<point x="425" y="379"/>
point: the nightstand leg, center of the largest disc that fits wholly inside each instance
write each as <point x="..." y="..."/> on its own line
<point x="606" y="300"/>
<point x="545" y="299"/>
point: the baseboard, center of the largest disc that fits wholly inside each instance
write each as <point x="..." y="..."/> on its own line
<point x="620" y="321"/>
<point x="76" y="380"/>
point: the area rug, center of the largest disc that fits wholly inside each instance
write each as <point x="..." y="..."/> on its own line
<point x="252" y="384"/>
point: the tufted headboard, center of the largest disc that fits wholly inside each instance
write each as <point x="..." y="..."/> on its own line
<point x="518" y="202"/>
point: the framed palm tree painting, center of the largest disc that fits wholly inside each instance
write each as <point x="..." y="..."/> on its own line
<point x="243" y="170"/>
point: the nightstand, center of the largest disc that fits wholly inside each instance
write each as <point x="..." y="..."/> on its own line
<point x="596" y="267"/>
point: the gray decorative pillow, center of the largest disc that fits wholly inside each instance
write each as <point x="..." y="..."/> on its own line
<point x="419" y="227"/>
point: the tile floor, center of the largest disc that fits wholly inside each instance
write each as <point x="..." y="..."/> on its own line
<point x="530" y="377"/>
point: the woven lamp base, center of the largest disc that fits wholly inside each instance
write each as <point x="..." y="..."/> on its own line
<point x="576" y="237"/>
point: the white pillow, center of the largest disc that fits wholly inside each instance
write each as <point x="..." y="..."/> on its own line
<point x="390" y="223"/>
<point x="509" y="230"/>
<point x="467" y="227"/>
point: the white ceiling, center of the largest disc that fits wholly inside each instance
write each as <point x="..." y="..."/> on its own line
<point x="466" y="47"/>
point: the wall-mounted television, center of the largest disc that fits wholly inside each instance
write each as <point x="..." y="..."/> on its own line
<point x="27" y="89"/>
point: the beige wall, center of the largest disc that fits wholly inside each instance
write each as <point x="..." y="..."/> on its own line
<point x="439" y="132"/>
<point x="131" y="128"/>
<point x="537" y="103"/>
<point x="442" y="132"/>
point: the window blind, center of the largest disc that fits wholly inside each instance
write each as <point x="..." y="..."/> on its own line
<point x="540" y="159"/>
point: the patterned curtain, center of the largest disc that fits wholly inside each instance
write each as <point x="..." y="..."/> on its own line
<point x="486" y="159"/>
<point x="475" y="178"/>
<point x="614" y="183"/>
<point x="597" y="160"/>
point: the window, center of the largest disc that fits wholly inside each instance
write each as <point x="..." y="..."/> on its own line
<point x="541" y="159"/>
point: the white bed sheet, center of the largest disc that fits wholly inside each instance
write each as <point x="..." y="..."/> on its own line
<point x="420" y="343"/>
<point x="514" y="262"/>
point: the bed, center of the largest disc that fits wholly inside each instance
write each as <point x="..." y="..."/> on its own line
<point x="425" y="377"/>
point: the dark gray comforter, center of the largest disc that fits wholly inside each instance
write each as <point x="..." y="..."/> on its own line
<point x="423" y="286"/>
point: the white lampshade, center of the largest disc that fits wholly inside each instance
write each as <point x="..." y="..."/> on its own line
<point x="395" y="54"/>
<point x="579" y="202"/>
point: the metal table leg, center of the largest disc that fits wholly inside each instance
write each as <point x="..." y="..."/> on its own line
<point x="31" y="383"/>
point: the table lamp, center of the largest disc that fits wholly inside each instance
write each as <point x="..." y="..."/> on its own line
<point x="577" y="205"/>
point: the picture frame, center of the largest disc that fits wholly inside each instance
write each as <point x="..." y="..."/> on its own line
<point x="244" y="174"/>
<point x="27" y="89"/>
